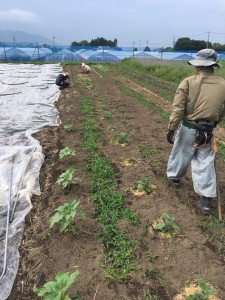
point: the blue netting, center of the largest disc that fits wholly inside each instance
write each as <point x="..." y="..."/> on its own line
<point x="53" y="53"/>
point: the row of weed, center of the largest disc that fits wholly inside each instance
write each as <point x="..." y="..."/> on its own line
<point x="110" y="204"/>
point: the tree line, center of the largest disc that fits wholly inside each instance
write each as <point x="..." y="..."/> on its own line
<point x="183" y="43"/>
<point x="99" y="41"/>
<point x="186" y="43"/>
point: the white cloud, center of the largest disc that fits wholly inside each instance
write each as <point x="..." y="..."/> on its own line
<point x="18" y="15"/>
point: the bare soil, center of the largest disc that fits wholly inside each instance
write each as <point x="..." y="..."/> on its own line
<point x="195" y="253"/>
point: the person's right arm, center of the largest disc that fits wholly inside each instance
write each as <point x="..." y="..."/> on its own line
<point x="179" y="104"/>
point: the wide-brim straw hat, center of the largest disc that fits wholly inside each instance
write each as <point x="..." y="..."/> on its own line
<point x="205" y="58"/>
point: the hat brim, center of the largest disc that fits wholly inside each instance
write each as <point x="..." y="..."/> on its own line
<point x="203" y="63"/>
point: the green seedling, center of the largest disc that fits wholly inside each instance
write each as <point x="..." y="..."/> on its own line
<point x="147" y="152"/>
<point x="111" y="128"/>
<point x="107" y="115"/>
<point x="153" y="273"/>
<point x="143" y="185"/>
<point x="205" y="292"/>
<point x="65" y="215"/>
<point x="132" y="161"/>
<point x="167" y="225"/>
<point x="151" y="257"/>
<point x="147" y="296"/>
<point x="56" y="290"/>
<point x="121" y="138"/>
<point x="66" y="178"/>
<point x="68" y="127"/>
<point x="66" y="152"/>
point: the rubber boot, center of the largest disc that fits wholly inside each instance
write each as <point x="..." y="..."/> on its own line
<point x="174" y="182"/>
<point x="205" y="205"/>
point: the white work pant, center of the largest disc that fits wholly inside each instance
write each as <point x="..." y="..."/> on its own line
<point x="202" y="162"/>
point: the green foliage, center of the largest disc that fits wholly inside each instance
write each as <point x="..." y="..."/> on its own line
<point x="147" y="152"/>
<point x="109" y="207"/>
<point x="151" y="257"/>
<point x="66" y="178"/>
<point x="153" y="273"/>
<point x="143" y="185"/>
<point x="186" y="43"/>
<point x="147" y="296"/>
<point x="132" y="161"/>
<point x="66" y="152"/>
<point x="168" y="225"/>
<point x="147" y="49"/>
<point x="111" y="128"/>
<point x="68" y="127"/>
<point x="203" y="294"/>
<point x="56" y="290"/>
<point x="120" y="253"/>
<point x="96" y="42"/>
<point x="107" y="115"/>
<point x="221" y="150"/>
<point x="65" y="216"/>
<point x="121" y="138"/>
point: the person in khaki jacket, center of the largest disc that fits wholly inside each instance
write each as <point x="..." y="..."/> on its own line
<point x="199" y="104"/>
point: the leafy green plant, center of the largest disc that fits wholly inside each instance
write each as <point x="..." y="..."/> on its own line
<point x="167" y="225"/>
<point x="111" y="128"/>
<point x="66" y="178"/>
<point x="153" y="273"/>
<point x="68" y="127"/>
<point x="65" y="215"/>
<point x="146" y="152"/>
<point x="107" y="115"/>
<point x="143" y="185"/>
<point x="132" y="161"/>
<point x="121" y="138"/>
<point x="203" y="294"/>
<point x="56" y="290"/>
<point x="66" y="152"/>
<point x="151" y="257"/>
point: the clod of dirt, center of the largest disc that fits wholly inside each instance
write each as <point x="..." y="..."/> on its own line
<point x="190" y="290"/>
<point x="137" y="192"/>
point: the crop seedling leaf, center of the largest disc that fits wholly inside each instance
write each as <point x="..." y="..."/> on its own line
<point x="55" y="290"/>
<point x="159" y="226"/>
<point x="65" y="215"/>
<point x="54" y="219"/>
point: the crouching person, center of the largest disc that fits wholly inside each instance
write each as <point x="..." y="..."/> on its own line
<point x="62" y="81"/>
<point x="199" y="104"/>
<point x="86" y="68"/>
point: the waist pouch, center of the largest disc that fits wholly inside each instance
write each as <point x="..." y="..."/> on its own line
<point x="204" y="134"/>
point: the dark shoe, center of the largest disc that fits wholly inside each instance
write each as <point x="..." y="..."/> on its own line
<point x="205" y="205"/>
<point x="174" y="182"/>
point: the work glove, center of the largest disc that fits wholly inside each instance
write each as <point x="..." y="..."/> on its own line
<point x="170" y="136"/>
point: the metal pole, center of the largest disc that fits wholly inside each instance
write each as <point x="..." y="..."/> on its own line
<point x="217" y="192"/>
<point x="7" y="222"/>
<point x="17" y="194"/>
<point x="215" y="148"/>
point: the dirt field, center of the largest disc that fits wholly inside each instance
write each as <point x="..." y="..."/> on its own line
<point x="196" y="253"/>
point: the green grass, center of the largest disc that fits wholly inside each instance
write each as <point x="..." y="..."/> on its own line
<point x="110" y="205"/>
<point x="174" y="72"/>
<point x="221" y="150"/>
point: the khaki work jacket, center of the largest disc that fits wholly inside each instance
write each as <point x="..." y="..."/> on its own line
<point x="199" y="97"/>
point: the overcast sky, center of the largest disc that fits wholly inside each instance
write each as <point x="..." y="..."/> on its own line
<point x="133" y="22"/>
